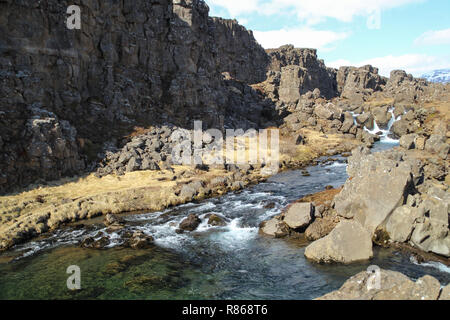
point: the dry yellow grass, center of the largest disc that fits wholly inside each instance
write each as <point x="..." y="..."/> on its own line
<point x="33" y="212"/>
<point x="318" y="144"/>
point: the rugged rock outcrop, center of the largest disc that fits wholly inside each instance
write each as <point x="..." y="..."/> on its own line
<point x="190" y="223"/>
<point x="132" y="64"/>
<point x="275" y="227"/>
<point x="376" y="189"/>
<point x="388" y="285"/>
<point x="399" y="196"/>
<point x="36" y="143"/>
<point x="356" y="84"/>
<point x="237" y="51"/>
<point x="348" y="242"/>
<point x="296" y="71"/>
<point x="405" y="89"/>
<point x="299" y="215"/>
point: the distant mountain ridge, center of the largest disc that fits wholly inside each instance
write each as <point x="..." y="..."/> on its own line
<point x="441" y="76"/>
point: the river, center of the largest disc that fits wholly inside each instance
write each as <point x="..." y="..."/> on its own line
<point x="231" y="262"/>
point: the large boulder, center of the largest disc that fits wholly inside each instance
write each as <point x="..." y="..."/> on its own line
<point x="191" y="223"/>
<point x="401" y="223"/>
<point x="431" y="234"/>
<point x="386" y="285"/>
<point x="323" y="112"/>
<point x="299" y="215"/>
<point x="275" y="228"/>
<point x="408" y="141"/>
<point x="349" y="242"/>
<point x="366" y="120"/>
<point x="321" y="227"/>
<point x="313" y="75"/>
<point x="292" y="80"/>
<point x="348" y="123"/>
<point x="438" y="144"/>
<point x="382" y="116"/>
<point x="403" y="127"/>
<point x="377" y="187"/>
<point x="355" y="83"/>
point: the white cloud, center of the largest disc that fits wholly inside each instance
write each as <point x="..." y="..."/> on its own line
<point x="430" y="38"/>
<point x="416" y="64"/>
<point x="237" y="7"/>
<point x="301" y="38"/>
<point x="311" y="11"/>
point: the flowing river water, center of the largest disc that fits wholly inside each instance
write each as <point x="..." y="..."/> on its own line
<point x="230" y="262"/>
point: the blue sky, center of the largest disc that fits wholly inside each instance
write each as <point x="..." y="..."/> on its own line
<point x="413" y="35"/>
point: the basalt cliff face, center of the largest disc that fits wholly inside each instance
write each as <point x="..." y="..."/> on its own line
<point x="69" y="99"/>
<point x="294" y="72"/>
<point x="65" y="93"/>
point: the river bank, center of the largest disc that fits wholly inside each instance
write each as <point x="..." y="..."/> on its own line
<point x="213" y="262"/>
<point x="47" y="207"/>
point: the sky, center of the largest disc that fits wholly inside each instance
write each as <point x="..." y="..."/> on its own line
<point x="412" y="35"/>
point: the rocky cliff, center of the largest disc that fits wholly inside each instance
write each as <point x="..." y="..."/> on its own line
<point x="68" y="96"/>
<point x="296" y="71"/>
<point x="65" y="93"/>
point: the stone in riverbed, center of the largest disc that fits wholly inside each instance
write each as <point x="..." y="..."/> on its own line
<point x="299" y="215"/>
<point x="378" y="186"/>
<point x="320" y="228"/>
<point x="216" y="221"/>
<point x="382" y="116"/>
<point x="112" y="219"/>
<point x="91" y="243"/>
<point x="191" y="223"/>
<point x="401" y="223"/>
<point x="366" y="120"/>
<point x="348" y="242"/>
<point x="140" y="240"/>
<point x="275" y="228"/>
<point x="431" y="234"/>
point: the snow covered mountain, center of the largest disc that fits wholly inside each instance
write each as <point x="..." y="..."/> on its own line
<point x="442" y="75"/>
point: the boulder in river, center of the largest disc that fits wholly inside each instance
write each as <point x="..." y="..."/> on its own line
<point x="93" y="243"/>
<point x="349" y="242"/>
<point x="275" y="228"/>
<point x="299" y="215"/>
<point x="431" y="234"/>
<point x="401" y="223"/>
<point x="191" y="223"/>
<point x="387" y="285"/>
<point x="216" y="221"/>
<point x="140" y="240"/>
<point x="382" y="116"/>
<point x="112" y="219"/>
<point x="378" y="186"/>
<point x="321" y="227"/>
<point x="366" y="120"/>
